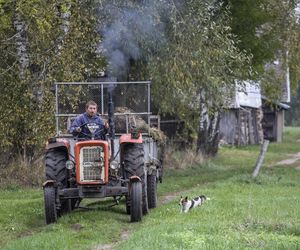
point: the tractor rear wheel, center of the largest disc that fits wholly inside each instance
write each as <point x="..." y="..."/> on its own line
<point x="50" y="205"/>
<point x="55" y="160"/>
<point x="152" y="191"/>
<point x="134" y="165"/>
<point x="136" y="212"/>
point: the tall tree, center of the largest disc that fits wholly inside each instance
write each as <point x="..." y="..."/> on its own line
<point x="188" y="51"/>
<point x="267" y="31"/>
<point x="41" y="42"/>
<point x="194" y="73"/>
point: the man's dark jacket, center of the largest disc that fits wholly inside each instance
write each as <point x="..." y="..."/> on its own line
<point x="84" y="119"/>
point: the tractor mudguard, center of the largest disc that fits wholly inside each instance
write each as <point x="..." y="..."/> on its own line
<point x="57" y="142"/>
<point x="126" y="138"/>
<point x="134" y="178"/>
<point x="49" y="183"/>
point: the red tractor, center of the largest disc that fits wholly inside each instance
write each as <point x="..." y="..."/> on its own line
<point x="126" y="164"/>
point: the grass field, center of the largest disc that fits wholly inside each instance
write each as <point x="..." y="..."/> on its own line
<point x="242" y="214"/>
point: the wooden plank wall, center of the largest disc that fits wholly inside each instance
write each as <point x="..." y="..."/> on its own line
<point x="241" y="126"/>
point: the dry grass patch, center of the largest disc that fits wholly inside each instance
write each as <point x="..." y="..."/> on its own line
<point x="181" y="159"/>
<point x="22" y="174"/>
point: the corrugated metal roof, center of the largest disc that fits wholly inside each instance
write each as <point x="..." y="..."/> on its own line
<point x="279" y="104"/>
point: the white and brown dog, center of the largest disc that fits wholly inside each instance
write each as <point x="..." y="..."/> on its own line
<point x="187" y="204"/>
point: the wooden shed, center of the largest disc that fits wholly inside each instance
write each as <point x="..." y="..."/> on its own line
<point x="273" y="120"/>
<point x="241" y="124"/>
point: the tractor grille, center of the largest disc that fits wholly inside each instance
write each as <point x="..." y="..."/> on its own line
<point x="91" y="164"/>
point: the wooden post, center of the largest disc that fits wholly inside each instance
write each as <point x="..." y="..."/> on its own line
<point x="263" y="150"/>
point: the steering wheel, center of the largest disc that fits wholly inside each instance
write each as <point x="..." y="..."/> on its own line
<point x="91" y="135"/>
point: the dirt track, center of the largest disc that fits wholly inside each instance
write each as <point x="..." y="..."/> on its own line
<point x="293" y="158"/>
<point x="126" y="234"/>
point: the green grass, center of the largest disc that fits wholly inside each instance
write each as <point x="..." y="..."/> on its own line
<point x="242" y="214"/>
<point x="22" y="215"/>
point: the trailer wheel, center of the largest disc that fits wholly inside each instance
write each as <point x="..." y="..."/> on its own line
<point x="127" y="202"/>
<point x="152" y="191"/>
<point x="145" y="195"/>
<point x="133" y="159"/>
<point x="136" y="201"/>
<point x="50" y="206"/>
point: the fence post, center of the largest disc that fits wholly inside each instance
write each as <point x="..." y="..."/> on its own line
<point x="263" y="150"/>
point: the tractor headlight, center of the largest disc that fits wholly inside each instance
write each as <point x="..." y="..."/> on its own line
<point x="69" y="165"/>
<point x="114" y="165"/>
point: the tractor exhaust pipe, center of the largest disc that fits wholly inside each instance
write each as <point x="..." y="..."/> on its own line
<point x="111" y="120"/>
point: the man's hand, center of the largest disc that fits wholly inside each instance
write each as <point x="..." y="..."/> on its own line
<point x="78" y="129"/>
<point x="106" y="125"/>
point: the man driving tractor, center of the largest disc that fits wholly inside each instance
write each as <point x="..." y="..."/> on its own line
<point x="79" y="125"/>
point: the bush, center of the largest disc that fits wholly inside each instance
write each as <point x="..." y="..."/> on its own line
<point x="20" y="173"/>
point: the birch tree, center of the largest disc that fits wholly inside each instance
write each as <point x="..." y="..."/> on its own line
<point x="41" y="42"/>
<point x="268" y="30"/>
<point x="194" y="74"/>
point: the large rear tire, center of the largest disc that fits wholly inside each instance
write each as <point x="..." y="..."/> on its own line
<point x="50" y="205"/>
<point x="55" y="161"/>
<point x="152" y="191"/>
<point x="136" y="212"/>
<point x="134" y="165"/>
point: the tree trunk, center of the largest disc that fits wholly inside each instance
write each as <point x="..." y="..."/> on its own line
<point x="208" y="132"/>
<point x="21" y="42"/>
<point x="65" y="15"/>
<point x="22" y="57"/>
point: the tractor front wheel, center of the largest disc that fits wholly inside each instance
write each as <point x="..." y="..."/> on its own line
<point x="136" y="211"/>
<point x="50" y="206"/>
